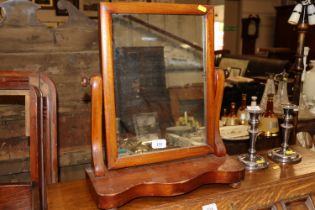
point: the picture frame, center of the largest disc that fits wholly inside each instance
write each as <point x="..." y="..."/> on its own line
<point x="60" y="12"/>
<point x="45" y="4"/>
<point x="147" y="126"/>
<point x="90" y="7"/>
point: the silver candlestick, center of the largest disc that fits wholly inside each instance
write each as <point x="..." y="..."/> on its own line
<point x="285" y="154"/>
<point x="251" y="160"/>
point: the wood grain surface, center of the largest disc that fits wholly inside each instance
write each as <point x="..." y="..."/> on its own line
<point x="16" y="196"/>
<point x="20" y="81"/>
<point x="163" y="179"/>
<point x="259" y="190"/>
<point x="147" y="8"/>
<point x="34" y="196"/>
<point x="96" y="126"/>
<point x="135" y="176"/>
<point x="107" y="65"/>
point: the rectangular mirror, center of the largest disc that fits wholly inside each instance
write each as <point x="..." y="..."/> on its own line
<point x="159" y="82"/>
<point x="158" y="76"/>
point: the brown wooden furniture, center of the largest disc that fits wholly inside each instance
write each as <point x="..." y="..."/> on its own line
<point x="178" y="94"/>
<point x="167" y="172"/>
<point x="31" y="195"/>
<point x="49" y="114"/>
<point x="41" y="127"/>
<point x="289" y="185"/>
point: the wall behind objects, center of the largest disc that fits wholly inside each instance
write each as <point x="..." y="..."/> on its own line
<point x="65" y="54"/>
<point x="236" y="10"/>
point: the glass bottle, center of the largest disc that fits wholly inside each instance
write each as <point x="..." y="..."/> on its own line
<point x="232" y="118"/>
<point x="242" y="113"/>
<point x="224" y="116"/>
<point x="309" y="83"/>
<point x="282" y="94"/>
<point x="269" y="121"/>
<point x="269" y="89"/>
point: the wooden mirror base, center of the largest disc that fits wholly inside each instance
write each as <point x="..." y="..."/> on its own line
<point x="118" y="187"/>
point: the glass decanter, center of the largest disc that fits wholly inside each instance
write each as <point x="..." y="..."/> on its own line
<point x="232" y="118"/>
<point x="241" y="112"/>
<point x="282" y="93"/>
<point x="269" y="125"/>
<point x="269" y="89"/>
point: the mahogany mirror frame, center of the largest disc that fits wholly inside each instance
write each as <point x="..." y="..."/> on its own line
<point x="213" y="98"/>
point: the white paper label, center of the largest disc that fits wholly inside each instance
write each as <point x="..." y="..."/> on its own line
<point x="211" y="206"/>
<point x="159" y="144"/>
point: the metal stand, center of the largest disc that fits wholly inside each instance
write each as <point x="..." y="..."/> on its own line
<point x="285" y="154"/>
<point x="251" y="160"/>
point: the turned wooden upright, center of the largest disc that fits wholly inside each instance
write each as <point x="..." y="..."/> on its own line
<point x="164" y="173"/>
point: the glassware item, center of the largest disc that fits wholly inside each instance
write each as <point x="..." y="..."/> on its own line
<point x="242" y="113"/>
<point x="269" y="121"/>
<point x="305" y="54"/>
<point x="282" y="94"/>
<point x="224" y="116"/>
<point x="304" y="111"/>
<point x="232" y="118"/>
<point x="309" y="82"/>
<point x="269" y="89"/>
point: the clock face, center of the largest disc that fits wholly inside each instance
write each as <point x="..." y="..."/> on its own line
<point x="252" y="28"/>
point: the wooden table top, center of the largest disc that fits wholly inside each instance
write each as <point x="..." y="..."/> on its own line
<point x="75" y="194"/>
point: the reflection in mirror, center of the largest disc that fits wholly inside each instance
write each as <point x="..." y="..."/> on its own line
<point x="14" y="139"/>
<point x="159" y="82"/>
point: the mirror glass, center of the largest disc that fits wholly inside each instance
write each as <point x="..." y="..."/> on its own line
<point x="14" y="138"/>
<point x="159" y="82"/>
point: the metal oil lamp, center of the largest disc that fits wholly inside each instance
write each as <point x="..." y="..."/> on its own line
<point x="285" y="154"/>
<point x="251" y="160"/>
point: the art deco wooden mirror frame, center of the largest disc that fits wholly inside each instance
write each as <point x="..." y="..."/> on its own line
<point x="172" y="171"/>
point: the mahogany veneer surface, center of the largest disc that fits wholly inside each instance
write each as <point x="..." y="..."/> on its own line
<point x="16" y="196"/>
<point x="163" y="179"/>
<point x="260" y="189"/>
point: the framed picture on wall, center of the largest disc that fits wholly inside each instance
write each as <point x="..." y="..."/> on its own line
<point x="60" y="12"/>
<point x="90" y="7"/>
<point x="44" y="4"/>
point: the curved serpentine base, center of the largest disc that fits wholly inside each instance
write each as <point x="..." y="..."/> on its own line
<point x="163" y="179"/>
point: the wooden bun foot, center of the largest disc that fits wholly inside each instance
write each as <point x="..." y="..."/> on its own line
<point x="235" y="185"/>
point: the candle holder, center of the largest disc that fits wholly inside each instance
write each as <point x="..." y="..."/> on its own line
<point x="251" y="160"/>
<point x="285" y="154"/>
